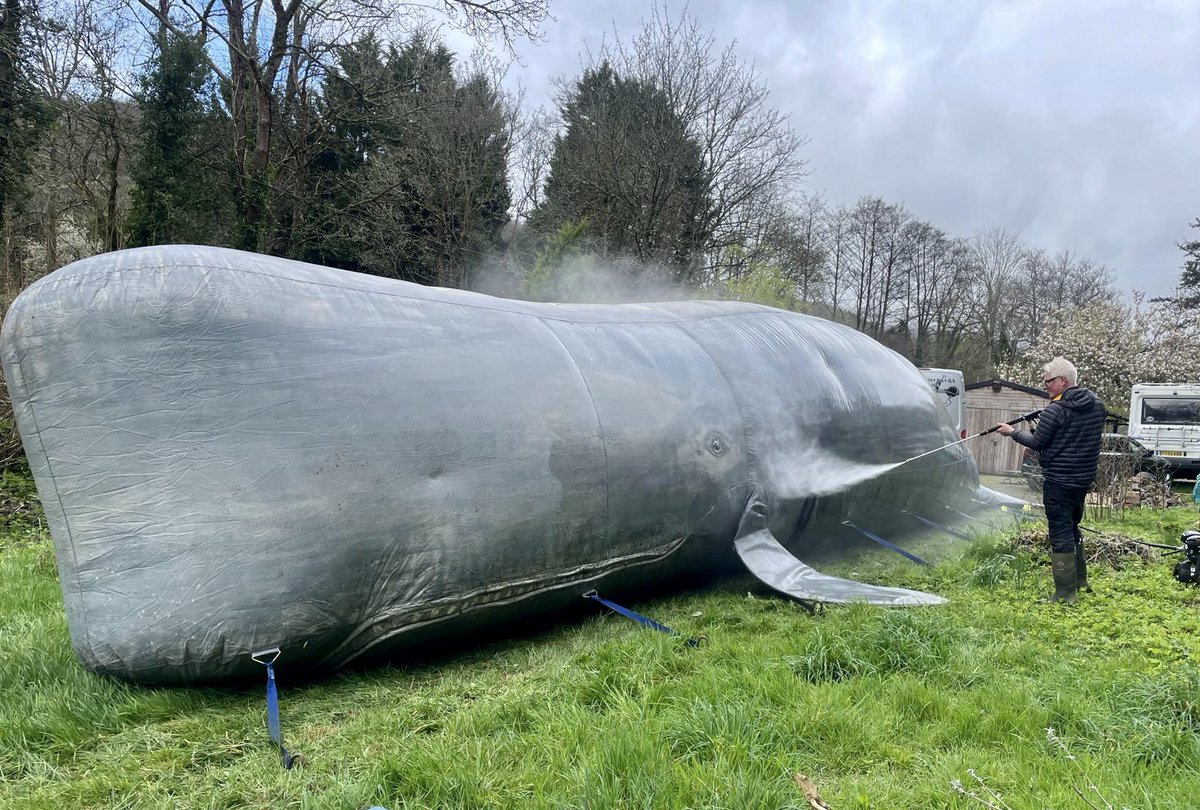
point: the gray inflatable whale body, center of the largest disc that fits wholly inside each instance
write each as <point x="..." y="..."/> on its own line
<point x="236" y="451"/>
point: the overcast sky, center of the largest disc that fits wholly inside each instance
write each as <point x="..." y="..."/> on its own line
<point x="1074" y="123"/>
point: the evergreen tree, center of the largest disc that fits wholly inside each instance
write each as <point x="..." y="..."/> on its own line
<point x="413" y="178"/>
<point x="1189" y="278"/>
<point x="23" y="115"/>
<point x="626" y="163"/>
<point x="351" y="108"/>
<point x="177" y="196"/>
<point x="561" y="270"/>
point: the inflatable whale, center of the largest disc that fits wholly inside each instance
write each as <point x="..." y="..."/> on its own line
<point x="236" y="451"/>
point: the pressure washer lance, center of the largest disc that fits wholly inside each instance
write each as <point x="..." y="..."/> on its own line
<point x="1017" y="421"/>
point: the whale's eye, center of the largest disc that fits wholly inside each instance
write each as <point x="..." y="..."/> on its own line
<point x="715" y="445"/>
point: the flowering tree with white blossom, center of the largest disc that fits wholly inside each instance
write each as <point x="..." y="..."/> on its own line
<point x="1116" y="346"/>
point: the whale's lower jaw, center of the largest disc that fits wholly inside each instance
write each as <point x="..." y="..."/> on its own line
<point x="767" y="559"/>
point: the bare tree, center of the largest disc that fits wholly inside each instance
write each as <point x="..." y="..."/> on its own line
<point x="926" y="277"/>
<point x="1045" y="285"/>
<point x="1077" y="281"/>
<point x="79" y="184"/>
<point x="532" y="145"/>
<point x="1030" y="301"/>
<point x="997" y="256"/>
<point x="877" y="252"/>
<point x="892" y="279"/>
<point x="937" y="291"/>
<point x="104" y="181"/>
<point x="836" y="241"/>
<point x="865" y="227"/>
<point x="793" y="241"/>
<point x="955" y="319"/>
<point x="751" y="154"/>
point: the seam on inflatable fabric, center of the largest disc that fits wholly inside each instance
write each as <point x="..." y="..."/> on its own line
<point x="564" y="581"/>
<point x="751" y="453"/>
<point x="511" y="310"/>
<point x="58" y="497"/>
<point x="599" y="425"/>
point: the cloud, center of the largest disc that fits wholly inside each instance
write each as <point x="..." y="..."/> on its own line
<point x="1074" y="123"/>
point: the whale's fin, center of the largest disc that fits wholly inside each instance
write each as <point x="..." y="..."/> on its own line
<point x="768" y="560"/>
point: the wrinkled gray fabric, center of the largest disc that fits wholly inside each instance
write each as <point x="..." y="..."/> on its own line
<point x="236" y="451"/>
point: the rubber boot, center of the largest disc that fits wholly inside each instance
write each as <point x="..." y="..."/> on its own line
<point x="1065" y="580"/>
<point x="1081" y="581"/>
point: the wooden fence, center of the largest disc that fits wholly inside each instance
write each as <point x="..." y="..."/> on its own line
<point x="994" y="454"/>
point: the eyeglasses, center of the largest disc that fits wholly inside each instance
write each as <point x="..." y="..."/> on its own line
<point x="1052" y="379"/>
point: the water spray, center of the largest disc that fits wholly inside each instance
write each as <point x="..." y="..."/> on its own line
<point x="1017" y="421"/>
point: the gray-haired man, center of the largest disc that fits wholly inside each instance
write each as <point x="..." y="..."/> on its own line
<point x="1067" y="440"/>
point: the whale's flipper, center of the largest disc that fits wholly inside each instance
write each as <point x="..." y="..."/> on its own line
<point x="768" y="560"/>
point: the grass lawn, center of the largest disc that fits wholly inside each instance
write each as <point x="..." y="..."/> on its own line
<point x="879" y="708"/>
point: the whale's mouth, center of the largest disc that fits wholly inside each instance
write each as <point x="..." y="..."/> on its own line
<point x="817" y="473"/>
<point x="767" y="559"/>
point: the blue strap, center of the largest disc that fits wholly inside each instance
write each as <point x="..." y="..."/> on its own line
<point x="885" y="543"/>
<point x="934" y="525"/>
<point x="273" y="731"/>
<point x="273" y="708"/>
<point x="963" y="514"/>
<point x="637" y="617"/>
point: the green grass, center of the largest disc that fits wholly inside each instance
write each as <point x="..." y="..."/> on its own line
<point x="880" y="708"/>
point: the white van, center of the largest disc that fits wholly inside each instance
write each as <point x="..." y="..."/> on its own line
<point x="948" y="383"/>
<point x="1165" y="417"/>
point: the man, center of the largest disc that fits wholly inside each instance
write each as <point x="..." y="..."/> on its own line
<point x="1067" y="440"/>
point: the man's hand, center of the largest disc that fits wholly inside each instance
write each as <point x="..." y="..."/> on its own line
<point x="1005" y="429"/>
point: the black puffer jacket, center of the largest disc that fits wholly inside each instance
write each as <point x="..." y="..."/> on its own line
<point x="1068" y="438"/>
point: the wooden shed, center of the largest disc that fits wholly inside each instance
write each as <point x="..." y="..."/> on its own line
<point x="989" y="402"/>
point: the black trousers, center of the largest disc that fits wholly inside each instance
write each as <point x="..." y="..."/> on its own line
<point x="1064" y="510"/>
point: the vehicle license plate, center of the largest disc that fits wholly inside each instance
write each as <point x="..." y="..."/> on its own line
<point x="1170" y="452"/>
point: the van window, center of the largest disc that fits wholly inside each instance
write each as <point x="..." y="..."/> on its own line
<point x="1173" y="411"/>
